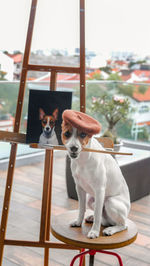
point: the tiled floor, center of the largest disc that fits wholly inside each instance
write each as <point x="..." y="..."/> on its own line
<point x="24" y="220"/>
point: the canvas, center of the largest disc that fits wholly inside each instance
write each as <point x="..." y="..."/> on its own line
<point x="45" y="116"/>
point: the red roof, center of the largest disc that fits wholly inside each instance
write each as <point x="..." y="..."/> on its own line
<point x="121" y="62"/>
<point x="62" y="77"/>
<point x="142" y="97"/>
<point x="142" y="73"/>
<point x="97" y="71"/>
<point x="16" y="57"/>
<point x="115" y="69"/>
<point x="144" y="123"/>
<point x="125" y="77"/>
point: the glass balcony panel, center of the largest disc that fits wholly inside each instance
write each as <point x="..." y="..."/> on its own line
<point x="136" y="128"/>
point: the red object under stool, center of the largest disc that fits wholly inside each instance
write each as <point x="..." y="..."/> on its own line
<point x="92" y="253"/>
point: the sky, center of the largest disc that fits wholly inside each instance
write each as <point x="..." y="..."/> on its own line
<point x="111" y="25"/>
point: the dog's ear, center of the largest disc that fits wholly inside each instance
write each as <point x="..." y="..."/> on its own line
<point x="55" y="113"/>
<point x="41" y="114"/>
<point x="65" y="126"/>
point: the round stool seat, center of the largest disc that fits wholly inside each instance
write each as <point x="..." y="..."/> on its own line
<point x="77" y="236"/>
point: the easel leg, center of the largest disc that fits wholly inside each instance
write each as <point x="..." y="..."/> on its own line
<point x="46" y="203"/>
<point x="7" y="198"/>
<point x="46" y="256"/>
<point x="46" y="251"/>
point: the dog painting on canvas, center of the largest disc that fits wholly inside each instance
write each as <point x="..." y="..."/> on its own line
<point x="48" y="135"/>
<point x="44" y="118"/>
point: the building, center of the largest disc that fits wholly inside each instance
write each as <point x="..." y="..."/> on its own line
<point x="6" y="65"/>
<point x="17" y="62"/>
<point x="119" y="64"/>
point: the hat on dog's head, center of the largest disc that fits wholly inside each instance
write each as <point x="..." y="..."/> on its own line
<point x="82" y="121"/>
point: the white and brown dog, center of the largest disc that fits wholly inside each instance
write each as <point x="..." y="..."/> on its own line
<point x="97" y="174"/>
<point x="48" y="135"/>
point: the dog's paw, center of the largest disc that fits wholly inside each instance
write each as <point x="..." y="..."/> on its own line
<point x="93" y="234"/>
<point x="108" y="231"/>
<point x="76" y="224"/>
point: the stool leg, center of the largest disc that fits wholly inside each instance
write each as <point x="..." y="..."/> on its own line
<point x="78" y="256"/>
<point x="113" y="254"/>
<point x="91" y="260"/>
<point x="81" y="263"/>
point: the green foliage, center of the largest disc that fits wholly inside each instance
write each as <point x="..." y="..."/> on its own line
<point x="126" y="89"/>
<point x="109" y="134"/>
<point x="106" y="69"/>
<point x="96" y="76"/>
<point x="135" y="63"/>
<point x="142" y="89"/>
<point x="144" y="135"/>
<point x="113" y="109"/>
<point x="96" y="90"/>
<point x="9" y="95"/>
<point x="129" y="89"/>
<point x="124" y="129"/>
<point x="17" y="52"/>
<point x="114" y="76"/>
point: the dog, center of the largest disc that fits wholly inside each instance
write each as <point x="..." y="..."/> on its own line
<point x="48" y="135"/>
<point x="97" y="175"/>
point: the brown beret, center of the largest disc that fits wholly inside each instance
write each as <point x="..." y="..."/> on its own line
<point x="82" y="122"/>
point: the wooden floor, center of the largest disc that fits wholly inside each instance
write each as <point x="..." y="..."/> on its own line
<point x="24" y="219"/>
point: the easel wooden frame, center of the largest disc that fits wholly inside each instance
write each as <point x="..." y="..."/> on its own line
<point x="15" y="137"/>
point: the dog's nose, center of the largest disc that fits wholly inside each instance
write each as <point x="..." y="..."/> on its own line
<point x="47" y="128"/>
<point x="74" y="148"/>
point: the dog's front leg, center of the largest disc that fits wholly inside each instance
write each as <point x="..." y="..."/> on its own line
<point x="82" y="206"/>
<point x="99" y="201"/>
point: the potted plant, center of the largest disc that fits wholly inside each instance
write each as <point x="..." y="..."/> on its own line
<point x="114" y="109"/>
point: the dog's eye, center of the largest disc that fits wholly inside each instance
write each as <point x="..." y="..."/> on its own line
<point x="44" y="122"/>
<point x="51" y="123"/>
<point x="67" y="134"/>
<point x="82" y="135"/>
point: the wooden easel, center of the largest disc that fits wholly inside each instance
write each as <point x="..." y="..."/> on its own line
<point x="15" y="138"/>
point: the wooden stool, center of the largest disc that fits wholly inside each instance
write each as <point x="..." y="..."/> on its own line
<point x="77" y="236"/>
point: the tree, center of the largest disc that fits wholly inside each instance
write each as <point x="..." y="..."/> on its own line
<point x="114" y="110"/>
<point x="126" y="89"/>
<point x="114" y="76"/>
<point x="139" y="62"/>
<point x="17" y="52"/>
<point x="97" y="76"/>
<point x="142" y="89"/>
<point x="106" y="69"/>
